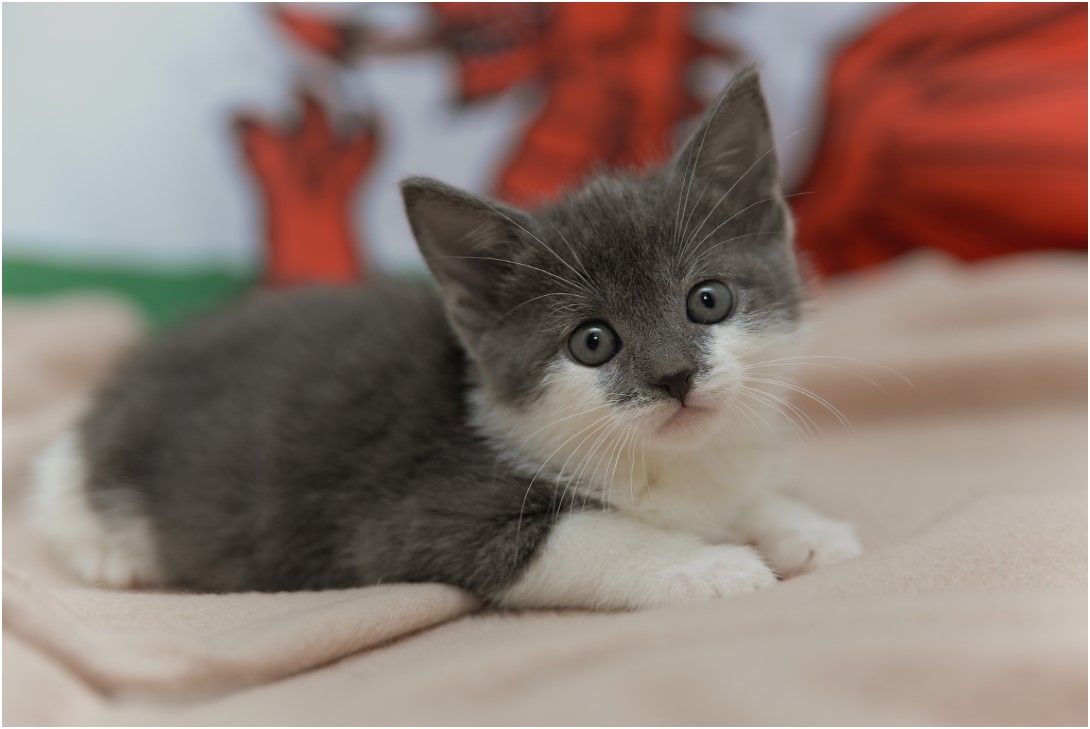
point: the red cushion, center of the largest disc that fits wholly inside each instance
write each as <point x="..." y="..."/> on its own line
<point x="960" y="127"/>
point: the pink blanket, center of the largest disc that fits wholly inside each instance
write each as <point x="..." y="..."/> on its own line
<point x="968" y="486"/>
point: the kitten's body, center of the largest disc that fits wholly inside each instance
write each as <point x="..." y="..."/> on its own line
<point x="330" y="438"/>
<point x="337" y="479"/>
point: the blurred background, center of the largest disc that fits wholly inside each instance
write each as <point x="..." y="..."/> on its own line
<point x="176" y="154"/>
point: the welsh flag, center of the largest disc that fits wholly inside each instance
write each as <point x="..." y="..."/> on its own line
<point x="180" y="154"/>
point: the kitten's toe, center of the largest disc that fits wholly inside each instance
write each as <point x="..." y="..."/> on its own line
<point x="805" y="549"/>
<point x="712" y="571"/>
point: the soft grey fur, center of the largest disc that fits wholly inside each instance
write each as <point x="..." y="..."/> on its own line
<point x="322" y="438"/>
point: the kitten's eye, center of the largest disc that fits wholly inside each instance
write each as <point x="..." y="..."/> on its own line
<point x="593" y="344"/>
<point x="710" y="302"/>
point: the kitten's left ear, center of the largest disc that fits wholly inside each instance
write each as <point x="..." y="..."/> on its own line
<point x="733" y="143"/>
<point x="466" y="241"/>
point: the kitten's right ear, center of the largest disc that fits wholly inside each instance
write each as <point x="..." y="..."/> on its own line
<point x="733" y="144"/>
<point x="464" y="239"/>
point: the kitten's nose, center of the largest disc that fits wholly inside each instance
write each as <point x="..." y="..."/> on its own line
<point x="677" y="384"/>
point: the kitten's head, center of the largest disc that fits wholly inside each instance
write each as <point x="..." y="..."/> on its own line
<point x="636" y="302"/>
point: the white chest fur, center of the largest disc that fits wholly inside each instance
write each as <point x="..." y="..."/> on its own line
<point x="699" y="493"/>
<point x="697" y="489"/>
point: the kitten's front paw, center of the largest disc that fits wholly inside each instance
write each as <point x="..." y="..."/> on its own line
<point x="712" y="571"/>
<point x="806" y="547"/>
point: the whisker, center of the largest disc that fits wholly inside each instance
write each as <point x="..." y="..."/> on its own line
<point x="622" y="445"/>
<point x="759" y="367"/>
<point x="518" y="528"/>
<point x="747" y="207"/>
<point x="735" y="405"/>
<point x="813" y="396"/>
<point x="678" y="228"/>
<point x="812" y="424"/>
<point x="778" y="403"/>
<point x="572" y="482"/>
<point x="632" y="475"/>
<point x="749" y="414"/>
<point x="543" y="243"/>
<point x="528" y="301"/>
<point x="601" y="442"/>
<point x="646" y="479"/>
<point x="844" y="359"/>
<point x="560" y="420"/>
<point x="705" y="253"/>
<point x="598" y="443"/>
<point x="599" y="434"/>
<point x="513" y="263"/>
<point x="585" y="275"/>
<point x="594" y="476"/>
<point x="739" y="180"/>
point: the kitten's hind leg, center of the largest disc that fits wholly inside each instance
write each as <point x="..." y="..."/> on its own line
<point x="113" y="546"/>
<point x="601" y="560"/>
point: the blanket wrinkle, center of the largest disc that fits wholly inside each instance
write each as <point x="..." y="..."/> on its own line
<point x="266" y="648"/>
<point x="964" y="469"/>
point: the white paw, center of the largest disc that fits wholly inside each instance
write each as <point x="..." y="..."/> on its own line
<point x="113" y="565"/>
<point x="711" y="571"/>
<point x="805" y="547"/>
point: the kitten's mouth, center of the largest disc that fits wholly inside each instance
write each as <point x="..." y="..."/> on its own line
<point x="685" y="418"/>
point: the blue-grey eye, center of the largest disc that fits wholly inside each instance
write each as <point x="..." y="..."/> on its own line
<point x="593" y="344"/>
<point x="710" y="302"/>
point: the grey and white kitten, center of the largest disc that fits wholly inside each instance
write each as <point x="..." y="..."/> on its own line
<point x="584" y="412"/>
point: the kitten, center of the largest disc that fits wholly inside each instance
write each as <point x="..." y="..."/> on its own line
<point x="574" y="417"/>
